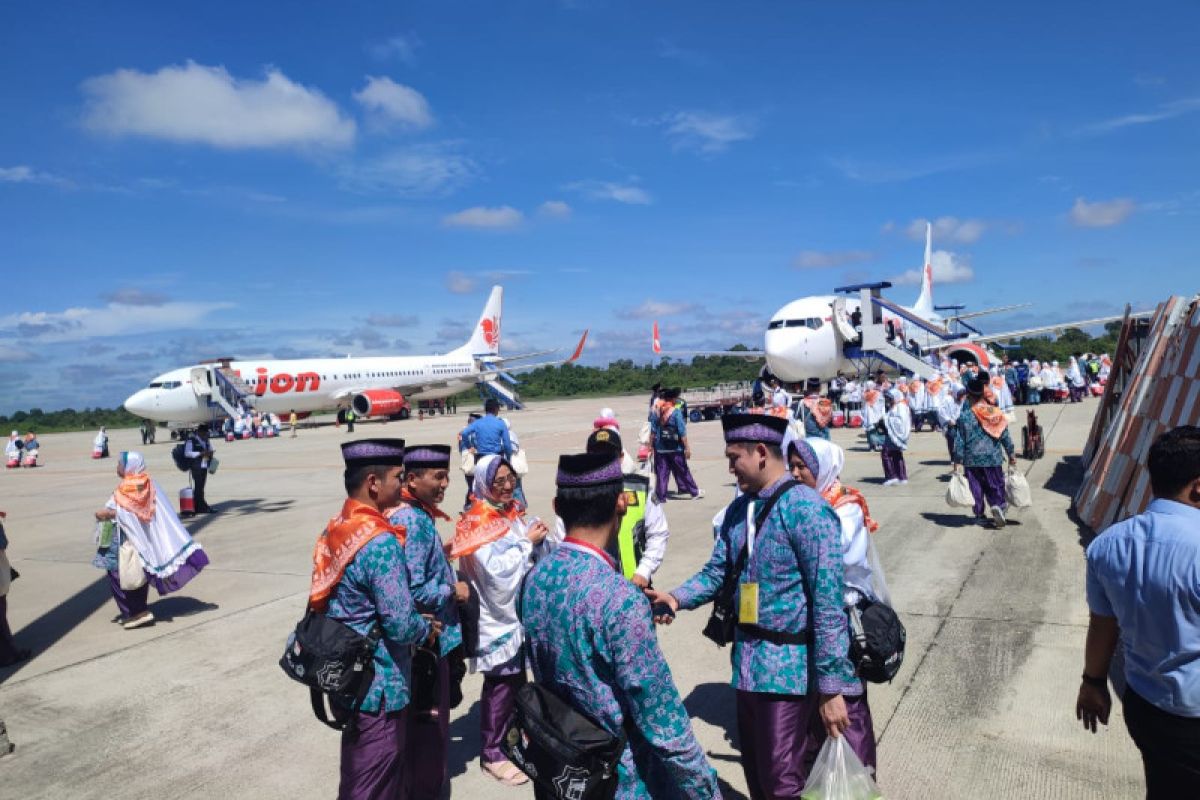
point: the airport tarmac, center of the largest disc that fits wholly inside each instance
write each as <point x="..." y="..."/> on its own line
<point x="197" y="707"/>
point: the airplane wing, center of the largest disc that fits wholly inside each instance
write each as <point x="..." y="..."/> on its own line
<point x="656" y="346"/>
<point x="498" y="363"/>
<point x="1057" y="327"/>
<point x="985" y="312"/>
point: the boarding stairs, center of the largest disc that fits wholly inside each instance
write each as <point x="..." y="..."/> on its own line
<point x="875" y="347"/>
<point x="224" y="390"/>
<point x="492" y="387"/>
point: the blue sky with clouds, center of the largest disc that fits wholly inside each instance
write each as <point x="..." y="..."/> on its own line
<point x="311" y="179"/>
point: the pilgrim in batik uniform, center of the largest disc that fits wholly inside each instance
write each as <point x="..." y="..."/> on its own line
<point x="360" y="578"/>
<point x="669" y="430"/>
<point x="592" y="643"/>
<point x="980" y="443"/>
<point x="431" y="581"/>
<point x="816" y="411"/>
<point x="781" y="667"/>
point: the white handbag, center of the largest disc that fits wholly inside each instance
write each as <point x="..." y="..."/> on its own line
<point x="133" y="575"/>
<point x="958" y="493"/>
<point x="468" y="462"/>
<point x="1017" y="489"/>
<point x="519" y="463"/>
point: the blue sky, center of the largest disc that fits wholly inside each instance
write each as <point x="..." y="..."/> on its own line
<point x="311" y="179"/>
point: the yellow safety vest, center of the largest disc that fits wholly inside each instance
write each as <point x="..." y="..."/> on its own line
<point x="631" y="538"/>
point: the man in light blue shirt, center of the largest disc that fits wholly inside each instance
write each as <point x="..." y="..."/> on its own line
<point x="1143" y="589"/>
<point x="489" y="434"/>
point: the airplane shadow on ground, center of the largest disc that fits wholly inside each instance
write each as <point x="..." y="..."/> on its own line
<point x="716" y="704"/>
<point x="42" y="633"/>
<point x="1065" y="479"/>
<point x="238" y="508"/>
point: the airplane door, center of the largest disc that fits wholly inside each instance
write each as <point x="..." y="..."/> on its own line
<point x="841" y="321"/>
<point x="201" y="382"/>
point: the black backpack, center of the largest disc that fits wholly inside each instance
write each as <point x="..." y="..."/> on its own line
<point x="333" y="660"/>
<point x="877" y="639"/>
<point x="182" y="462"/>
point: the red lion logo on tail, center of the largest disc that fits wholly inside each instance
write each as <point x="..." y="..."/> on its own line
<point x="491" y="331"/>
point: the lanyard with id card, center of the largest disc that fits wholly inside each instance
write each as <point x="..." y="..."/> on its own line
<point x="748" y="590"/>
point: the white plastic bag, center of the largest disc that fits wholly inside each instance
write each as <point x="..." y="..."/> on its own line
<point x="958" y="493"/>
<point x="468" y="462"/>
<point x="129" y="567"/>
<point x="1017" y="489"/>
<point x="519" y="462"/>
<point x="839" y="775"/>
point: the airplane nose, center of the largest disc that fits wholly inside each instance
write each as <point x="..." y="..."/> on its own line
<point x="786" y="354"/>
<point x="140" y="402"/>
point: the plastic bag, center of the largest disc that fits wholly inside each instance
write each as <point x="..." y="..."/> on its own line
<point x="519" y="462"/>
<point x="839" y="775"/>
<point x="468" y="462"/>
<point x="1016" y="487"/>
<point x="958" y="493"/>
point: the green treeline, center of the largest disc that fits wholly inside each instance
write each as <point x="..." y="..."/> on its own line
<point x="1070" y="342"/>
<point x="89" y="419"/>
<point x="624" y="376"/>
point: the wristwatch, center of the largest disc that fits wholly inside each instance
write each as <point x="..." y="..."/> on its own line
<point x="1099" y="683"/>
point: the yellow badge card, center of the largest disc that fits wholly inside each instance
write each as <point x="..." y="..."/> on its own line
<point x="748" y="604"/>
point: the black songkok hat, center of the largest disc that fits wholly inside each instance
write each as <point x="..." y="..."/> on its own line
<point x="427" y="456"/>
<point x="588" y="470"/>
<point x="373" y="453"/>
<point x="670" y="394"/>
<point x="977" y="383"/>
<point x="754" y="428"/>
<point x="606" y="441"/>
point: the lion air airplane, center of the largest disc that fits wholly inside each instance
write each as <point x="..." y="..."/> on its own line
<point x="823" y="335"/>
<point x="374" y="386"/>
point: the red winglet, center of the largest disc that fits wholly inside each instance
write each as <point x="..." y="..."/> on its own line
<point x="655" y="342"/>
<point x="579" y="348"/>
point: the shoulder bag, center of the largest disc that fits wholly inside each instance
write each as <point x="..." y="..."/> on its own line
<point x="333" y="660"/>
<point x="723" y="621"/>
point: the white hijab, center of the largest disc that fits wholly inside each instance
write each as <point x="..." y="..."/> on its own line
<point x="898" y="420"/>
<point x="830" y="461"/>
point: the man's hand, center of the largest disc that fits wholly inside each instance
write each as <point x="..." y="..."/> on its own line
<point x="663" y="597"/>
<point x="639" y="581"/>
<point x="1012" y="461"/>
<point x="462" y="592"/>
<point x="833" y="714"/>
<point x="1093" y="705"/>
<point x="435" y="629"/>
<point x="687" y="453"/>
<point x="106" y="514"/>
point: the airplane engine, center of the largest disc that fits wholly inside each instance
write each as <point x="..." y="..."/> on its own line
<point x="380" y="403"/>
<point x="968" y="351"/>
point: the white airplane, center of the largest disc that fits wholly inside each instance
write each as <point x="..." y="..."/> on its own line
<point x="822" y="335"/>
<point x="374" y="387"/>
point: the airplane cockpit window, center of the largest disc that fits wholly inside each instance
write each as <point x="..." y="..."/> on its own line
<point x="171" y="384"/>
<point x="815" y="323"/>
<point x="155" y="385"/>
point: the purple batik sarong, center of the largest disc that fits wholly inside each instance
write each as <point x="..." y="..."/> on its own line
<point x="496" y="704"/>
<point x="782" y="734"/>
<point x="894" y="468"/>
<point x="130" y="602"/>
<point x="668" y="464"/>
<point x="373" y="758"/>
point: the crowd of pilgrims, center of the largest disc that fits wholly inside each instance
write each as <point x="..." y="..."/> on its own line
<point x="571" y="604"/>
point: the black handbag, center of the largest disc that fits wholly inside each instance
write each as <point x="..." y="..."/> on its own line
<point x="723" y="621"/>
<point x="564" y="751"/>
<point x="425" y="679"/>
<point x="333" y="660"/>
<point x="877" y="640"/>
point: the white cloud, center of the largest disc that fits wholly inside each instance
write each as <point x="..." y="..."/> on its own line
<point x="556" y="209"/>
<point x="75" y="324"/>
<point x="11" y="353"/>
<point x="818" y="259"/>
<point x="1176" y="108"/>
<point x="1102" y="213"/>
<point x="706" y="133"/>
<point x="459" y="282"/>
<point x="26" y="174"/>
<point x="418" y="171"/>
<point x="391" y="103"/>
<point x="135" y="297"/>
<point x="207" y="105"/>
<point x="498" y="218"/>
<point x="402" y="47"/>
<point x="952" y="229"/>
<point x="653" y="309"/>
<point x="627" y="193"/>
<point x="947" y="268"/>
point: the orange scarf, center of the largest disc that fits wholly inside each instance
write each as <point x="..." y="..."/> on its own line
<point x="664" y="409"/>
<point x="991" y="418"/>
<point x="935" y="387"/>
<point x="482" y="523"/>
<point x="135" y="494"/>
<point x="821" y="409"/>
<point x="410" y="499"/>
<point x="346" y="534"/>
<point x="870" y="396"/>
<point x="838" y="495"/>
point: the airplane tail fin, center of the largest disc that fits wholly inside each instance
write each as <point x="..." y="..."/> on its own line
<point x="924" y="304"/>
<point x="485" y="339"/>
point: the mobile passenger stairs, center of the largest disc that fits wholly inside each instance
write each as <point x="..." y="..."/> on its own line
<point x="496" y="384"/>
<point x="224" y="390"/>
<point x="872" y="350"/>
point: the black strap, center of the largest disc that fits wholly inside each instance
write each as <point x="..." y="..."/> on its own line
<point x="759" y="519"/>
<point x="775" y="637"/>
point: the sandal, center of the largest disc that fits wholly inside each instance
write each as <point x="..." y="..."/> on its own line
<point x="505" y="772"/>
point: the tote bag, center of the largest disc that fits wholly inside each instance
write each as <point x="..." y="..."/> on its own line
<point x="133" y="576"/>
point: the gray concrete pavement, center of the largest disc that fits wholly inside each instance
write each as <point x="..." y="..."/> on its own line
<point x="196" y="707"/>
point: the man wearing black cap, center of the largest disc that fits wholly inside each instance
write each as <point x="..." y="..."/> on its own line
<point x="781" y="543"/>
<point x="671" y="450"/>
<point x="592" y="643"/>
<point x="360" y="578"/>
<point x="436" y="592"/>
